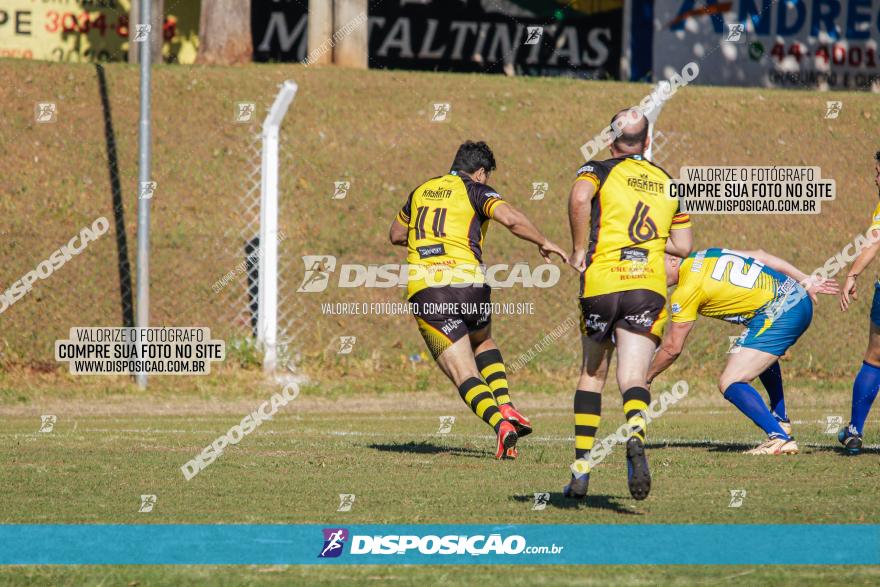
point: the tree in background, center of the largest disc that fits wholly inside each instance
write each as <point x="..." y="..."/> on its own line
<point x="225" y="32"/>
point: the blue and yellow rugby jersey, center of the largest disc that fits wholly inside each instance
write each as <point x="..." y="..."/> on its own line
<point x="447" y="218"/>
<point x="630" y="220"/>
<point x="722" y="284"/>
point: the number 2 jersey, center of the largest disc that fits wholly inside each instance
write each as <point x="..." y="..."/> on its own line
<point x="724" y="284"/>
<point x="447" y="219"/>
<point x="630" y="220"/>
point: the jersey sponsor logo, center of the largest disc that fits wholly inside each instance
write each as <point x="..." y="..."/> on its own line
<point x="586" y="169"/>
<point x="634" y="254"/>
<point x="642" y="319"/>
<point x="451" y="325"/>
<point x="593" y="323"/>
<point x="643" y="183"/>
<point x="439" y="194"/>
<point x="431" y="251"/>
<point x="676" y="308"/>
<point x="641" y="226"/>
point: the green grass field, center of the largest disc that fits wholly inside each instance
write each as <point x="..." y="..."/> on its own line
<point x="367" y="424"/>
<point x="111" y="444"/>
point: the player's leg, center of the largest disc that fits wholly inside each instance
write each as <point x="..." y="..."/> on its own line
<point x="634" y="353"/>
<point x="637" y="334"/>
<point x="596" y="358"/>
<point x="865" y="386"/>
<point x="771" y="379"/>
<point x="597" y="313"/>
<point x="743" y="366"/>
<point x="447" y="338"/>
<point x="491" y="366"/>
<point x="767" y="338"/>
<point x="457" y="362"/>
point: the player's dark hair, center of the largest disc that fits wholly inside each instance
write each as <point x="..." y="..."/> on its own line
<point x="877" y="156"/>
<point x="471" y="156"/>
<point x="631" y="141"/>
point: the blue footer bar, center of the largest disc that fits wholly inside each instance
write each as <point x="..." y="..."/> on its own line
<point x="245" y="544"/>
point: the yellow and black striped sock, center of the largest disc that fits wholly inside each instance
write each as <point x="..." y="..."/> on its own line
<point x="491" y="367"/>
<point x="635" y="406"/>
<point x="477" y="395"/>
<point x="587" y="413"/>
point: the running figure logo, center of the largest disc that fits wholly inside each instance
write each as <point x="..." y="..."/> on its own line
<point x="334" y="540"/>
<point x="346" y="500"/>
<point x="737" y="497"/>
<point x="318" y="269"/>
<point x="735" y="31"/>
<point x="833" y="424"/>
<point x="47" y="423"/>
<point x="533" y="34"/>
<point x="441" y="111"/>
<point x="833" y="108"/>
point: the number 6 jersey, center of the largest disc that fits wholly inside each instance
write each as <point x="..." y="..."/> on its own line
<point x="447" y="218"/>
<point x="630" y="219"/>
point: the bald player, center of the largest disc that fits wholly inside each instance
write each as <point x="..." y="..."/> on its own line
<point x="624" y="204"/>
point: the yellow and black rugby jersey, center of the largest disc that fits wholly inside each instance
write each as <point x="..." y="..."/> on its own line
<point x="447" y="218"/>
<point x="722" y="284"/>
<point x="875" y="219"/>
<point x="630" y="219"/>
<point x="875" y="223"/>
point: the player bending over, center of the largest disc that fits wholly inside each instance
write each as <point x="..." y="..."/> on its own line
<point x="442" y="224"/>
<point x="765" y="294"/>
<point x="867" y="382"/>
<point x="624" y="201"/>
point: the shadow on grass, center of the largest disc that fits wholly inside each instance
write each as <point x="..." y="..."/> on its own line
<point x="429" y="448"/>
<point x="839" y="450"/>
<point x="742" y="447"/>
<point x="706" y="444"/>
<point x="594" y="501"/>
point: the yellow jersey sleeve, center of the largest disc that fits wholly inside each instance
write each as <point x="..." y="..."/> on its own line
<point x="875" y="219"/>
<point x="685" y="300"/>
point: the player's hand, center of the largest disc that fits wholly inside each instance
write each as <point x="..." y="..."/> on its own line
<point x="849" y="290"/>
<point x="819" y="285"/>
<point x="549" y="248"/>
<point x="578" y="260"/>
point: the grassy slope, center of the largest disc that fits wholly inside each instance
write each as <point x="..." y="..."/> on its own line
<point x="372" y="128"/>
<point x="105" y="453"/>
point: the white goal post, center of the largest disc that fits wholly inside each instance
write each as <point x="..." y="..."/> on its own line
<point x="267" y="292"/>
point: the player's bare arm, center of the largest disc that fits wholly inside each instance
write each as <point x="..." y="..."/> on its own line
<point x="520" y="226"/>
<point x="680" y="242"/>
<point x="673" y="343"/>
<point x="813" y="285"/>
<point x="579" y="201"/>
<point x="397" y="234"/>
<point x="863" y="260"/>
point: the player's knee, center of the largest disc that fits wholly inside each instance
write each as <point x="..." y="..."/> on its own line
<point x="593" y="382"/>
<point x="726" y="382"/>
<point x="630" y="382"/>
